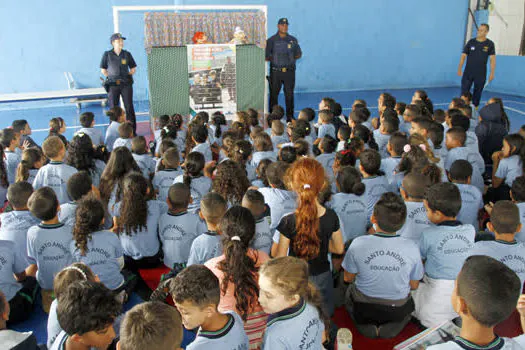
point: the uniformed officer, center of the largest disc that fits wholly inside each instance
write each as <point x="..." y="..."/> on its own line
<point x="118" y="66"/>
<point x="282" y="50"/>
<point x="477" y="51"/>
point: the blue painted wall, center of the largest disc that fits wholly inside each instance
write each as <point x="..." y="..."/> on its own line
<point x="347" y="44"/>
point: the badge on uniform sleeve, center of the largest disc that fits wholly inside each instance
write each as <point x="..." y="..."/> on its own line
<point x="472" y="48"/>
<point x="289" y="46"/>
<point x="485" y="48"/>
<point x="123" y="61"/>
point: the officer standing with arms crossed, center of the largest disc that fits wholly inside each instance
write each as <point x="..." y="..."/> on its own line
<point x="477" y="51"/>
<point x="282" y="50"/>
<point x="118" y="66"/>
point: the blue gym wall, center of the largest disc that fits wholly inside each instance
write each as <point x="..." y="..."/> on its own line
<point x="347" y="44"/>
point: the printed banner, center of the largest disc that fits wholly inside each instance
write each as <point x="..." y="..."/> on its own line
<point x="211" y="71"/>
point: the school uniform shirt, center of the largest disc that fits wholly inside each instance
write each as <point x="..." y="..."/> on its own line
<point x="199" y="187"/>
<point x="205" y="247"/>
<point x="328" y="224"/>
<point x="205" y="149"/>
<point x="263" y="233"/>
<point x="340" y="146"/>
<point x="67" y="213"/>
<point x="389" y="166"/>
<point x="375" y="186"/>
<point x="416" y="222"/>
<point x="441" y="152"/>
<point x="11" y="262"/>
<point x="445" y="248"/>
<point x="251" y="172"/>
<point x="352" y="212"/>
<point x="163" y="180"/>
<point x="94" y="134"/>
<point x="102" y="256"/>
<point x="60" y="341"/>
<point x="381" y="260"/>
<point x="327" y="161"/>
<point x="497" y="344"/>
<point x="15" y="225"/>
<point x="111" y="135"/>
<point x="279" y="139"/>
<point x="145" y="242"/>
<point x="145" y="163"/>
<point x="32" y="175"/>
<point x="177" y="232"/>
<point x="258" y="156"/>
<point x="55" y="175"/>
<point x="96" y="173"/>
<point x="313" y="130"/>
<point x="509" y="169"/>
<point x="326" y="130"/>
<point x="382" y="142"/>
<point x="48" y="248"/>
<point x="53" y="327"/>
<point x="478" y="165"/>
<point x="12" y="159"/>
<point x="231" y="336"/>
<point x="258" y="183"/>
<point x="472" y="142"/>
<point x="297" y="327"/>
<point x="211" y="135"/>
<point x="14" y="340"/>
<point x="471" y="203"/>
<point x="281" y="202"/>
<point x="511" y="254"/>
<point x="120" y="142"/>
<point x="520" y="236"/>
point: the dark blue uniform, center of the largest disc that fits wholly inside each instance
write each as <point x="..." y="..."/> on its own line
<point x="121" y="83"/>
<point x="282" y="53"/>
<point x="476" y="68"/>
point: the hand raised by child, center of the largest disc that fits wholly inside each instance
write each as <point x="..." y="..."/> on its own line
<point x="521" y="305"/>
<point x="488" y="207"/>
<point x="25" y="145"/>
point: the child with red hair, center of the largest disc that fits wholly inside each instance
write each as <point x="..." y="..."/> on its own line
<point x="312" y="231"/>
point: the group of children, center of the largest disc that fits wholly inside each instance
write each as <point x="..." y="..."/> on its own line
<point x="268" y="226"/>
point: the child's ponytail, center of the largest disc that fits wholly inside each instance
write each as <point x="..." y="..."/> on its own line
<point x="89" y="215"/>
<point x="134" y="204"/>
<point x="193" y="167"/>
<point x="30" y="156"/>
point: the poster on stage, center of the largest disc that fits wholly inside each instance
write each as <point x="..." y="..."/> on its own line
<point x="211" y="70"/>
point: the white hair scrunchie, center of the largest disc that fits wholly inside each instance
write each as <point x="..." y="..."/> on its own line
<point x="306" y="186"/>
<point x="236" y="238"/>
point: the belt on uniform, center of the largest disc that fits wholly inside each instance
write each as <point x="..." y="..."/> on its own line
<point x="283" y="69"/>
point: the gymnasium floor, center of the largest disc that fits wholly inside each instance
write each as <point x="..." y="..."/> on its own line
<point x="39" y="117"/>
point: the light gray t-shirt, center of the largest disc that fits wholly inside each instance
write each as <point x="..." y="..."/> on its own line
<point x="471" y="203"/>
<point x="509" y="169"/>
<point x="232" y="336"/>
<point x="459" y="343"/>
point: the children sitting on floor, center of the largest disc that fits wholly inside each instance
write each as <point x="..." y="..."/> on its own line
<point x="471" y="198"/>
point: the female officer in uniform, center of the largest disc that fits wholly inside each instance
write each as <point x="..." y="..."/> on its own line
<point x="118" y="66"/>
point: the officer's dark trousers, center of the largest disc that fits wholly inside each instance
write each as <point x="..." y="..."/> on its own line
<point x="126" y="91"/>
<point x="277" y="79"/>
<point x="479" y="83"/>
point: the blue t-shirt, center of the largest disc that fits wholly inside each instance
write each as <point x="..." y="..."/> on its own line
<point x="55" y="175"/>
<point x="389" y="165"/>
<point x="205" y="150"/>
<point x="94" y="134"/>
<point x="281" y="202"/>
<point x="111" y="135"/>
<point x="205" y="247"/>
<point x="177" y="232"/>
<point x="478" y="53"/>
<point x="384" y="264"/>
<point x="445" y="248"/>
<point x="145" y="163"/>
<point x="67" y="213"/>
<point x="375" y="187"/>
<point x="258" y="156"/>
<point x="279" y="139"/>
<point x="326" y="130"/>
<point x="511" y="254"/>
<point x="263" y="234"/>
<point x="459" y="343"/>
<point x="520" y="236"/>
<point x="472" y="142"/>
<point x="416" y="221"/>
<point x="10" y="263"/>
<point x="327" y="161"/>
<point x="509" y="169"/>
<point x="120" y="142"/>
<point x="15" y="225"/>
<point x="102" y="256"/>
<point x="471" y="203"/>
<point x="163" y="180"/>
<point x="382" y="142"/>
<point x="12" y="159"/>
<point x="298" y="327"/>
<point x="199" y="187"/>
<point x="145" y="242"/>
<point x="232" y="336"/>
<point x="48" y="248"/>
<point x="352" y="212"/>
<point x="475" y="159"/>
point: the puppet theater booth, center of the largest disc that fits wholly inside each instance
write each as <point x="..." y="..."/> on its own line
<point x="224" y="71"/>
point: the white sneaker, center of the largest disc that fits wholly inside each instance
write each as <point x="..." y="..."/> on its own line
<point x="344" y="339"/>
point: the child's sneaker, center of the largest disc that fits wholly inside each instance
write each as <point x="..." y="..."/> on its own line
<point x="344" y="339"/>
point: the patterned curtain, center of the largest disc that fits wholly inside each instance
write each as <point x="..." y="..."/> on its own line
<point x="177" y="29"/>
